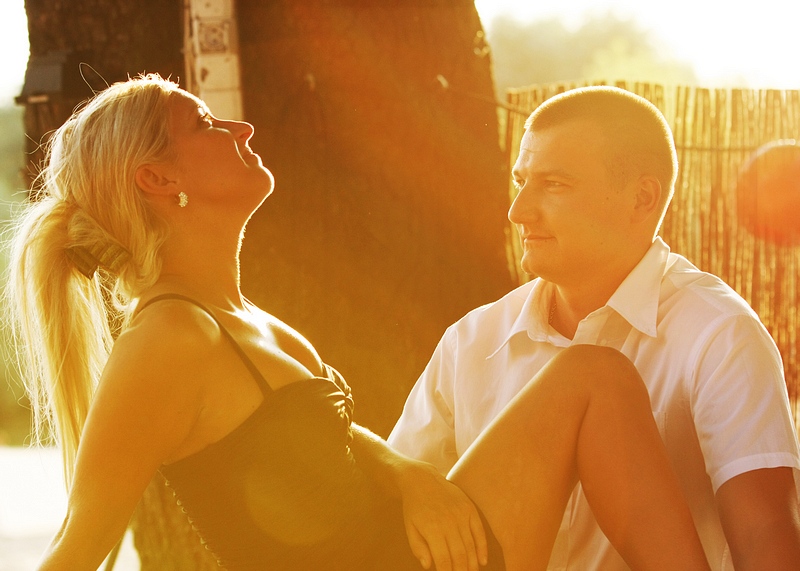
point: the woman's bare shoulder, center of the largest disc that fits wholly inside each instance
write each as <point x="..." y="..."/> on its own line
<point x="154" y="386"/>
<point x="171" y="321"/>
<point x="168" y="342"/>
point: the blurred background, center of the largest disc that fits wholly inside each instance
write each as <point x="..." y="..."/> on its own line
<point x="683" y="42"/>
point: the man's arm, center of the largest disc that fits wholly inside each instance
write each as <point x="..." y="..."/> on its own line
<point x="761" y="519"/>
<point x="425" y="430"/>
<point x="744" y="423"/>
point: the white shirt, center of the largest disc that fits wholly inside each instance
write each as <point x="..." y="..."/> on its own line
<point x="714" y="375"/>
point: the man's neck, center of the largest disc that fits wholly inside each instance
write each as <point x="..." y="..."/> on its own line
<point x="574" y="300"/>
<point x="568" y="308"/>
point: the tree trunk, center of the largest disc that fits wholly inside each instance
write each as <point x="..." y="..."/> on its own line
<point x="388" y="219"/>
<point x="80" y="45"/>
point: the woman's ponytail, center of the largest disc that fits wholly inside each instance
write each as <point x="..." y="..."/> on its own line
<point x="83" y="250"/>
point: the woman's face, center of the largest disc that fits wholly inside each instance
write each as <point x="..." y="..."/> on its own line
<point x="213" y="162"/>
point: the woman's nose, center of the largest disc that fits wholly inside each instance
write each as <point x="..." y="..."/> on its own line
<point x="240" y="129"/>
<point x="246" y="130"/>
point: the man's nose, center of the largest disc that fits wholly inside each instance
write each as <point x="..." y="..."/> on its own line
<point x="524" y="208"/>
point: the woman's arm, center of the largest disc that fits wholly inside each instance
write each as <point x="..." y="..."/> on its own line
<point x="146" y="405"/>
<point x="442" y="524"/>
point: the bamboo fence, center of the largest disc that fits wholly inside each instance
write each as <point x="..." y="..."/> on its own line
<point x="716" y="132"/>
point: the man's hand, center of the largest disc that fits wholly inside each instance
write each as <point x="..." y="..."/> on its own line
<point x="442" y="523"/>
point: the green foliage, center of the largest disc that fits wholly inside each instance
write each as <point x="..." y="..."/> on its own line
<point x="12" y="149"/>
<point x="14" y="413"/>
<point x="604" y="47"/>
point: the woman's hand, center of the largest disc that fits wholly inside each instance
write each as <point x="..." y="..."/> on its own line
<point x="442" y="523"/>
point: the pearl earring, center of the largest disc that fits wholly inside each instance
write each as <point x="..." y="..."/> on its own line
<point x="183" y="199"/>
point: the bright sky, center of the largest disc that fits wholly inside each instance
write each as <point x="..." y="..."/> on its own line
<point x="14" y="46"/>
<point x="748" y="44"/>
<point x="744" y="44"/>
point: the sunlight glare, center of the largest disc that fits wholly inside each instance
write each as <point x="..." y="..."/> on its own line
<point x="728" y="44"/>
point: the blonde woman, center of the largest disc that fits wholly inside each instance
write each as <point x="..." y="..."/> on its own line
<point x="144" y="191"/>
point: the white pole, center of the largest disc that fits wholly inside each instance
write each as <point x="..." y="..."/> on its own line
<point x="211" y="55"/>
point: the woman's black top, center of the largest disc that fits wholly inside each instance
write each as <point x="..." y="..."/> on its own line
<point x="283" y="490"/>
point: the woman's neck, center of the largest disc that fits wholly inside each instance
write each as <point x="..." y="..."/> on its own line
<point x="203" y="269"/>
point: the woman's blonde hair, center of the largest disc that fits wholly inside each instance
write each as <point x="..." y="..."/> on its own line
<point x="86" y="204"/>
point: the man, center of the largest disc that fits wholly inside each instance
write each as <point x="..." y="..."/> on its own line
<point x="595" y="174"/>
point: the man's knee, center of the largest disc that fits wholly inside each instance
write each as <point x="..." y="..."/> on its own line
<point x="600" y="368"/>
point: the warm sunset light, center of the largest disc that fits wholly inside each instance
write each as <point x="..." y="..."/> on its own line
<point x="727" y="44"/>
<point x="391" y="285"/>
<point x="768" y="192"/>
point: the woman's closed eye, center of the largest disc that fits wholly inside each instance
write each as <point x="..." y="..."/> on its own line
<point x="207" y="118"/>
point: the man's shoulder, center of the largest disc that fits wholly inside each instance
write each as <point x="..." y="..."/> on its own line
<point x="701" y="294"/>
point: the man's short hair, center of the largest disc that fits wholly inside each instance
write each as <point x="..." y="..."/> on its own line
<point x="643" y="137"/>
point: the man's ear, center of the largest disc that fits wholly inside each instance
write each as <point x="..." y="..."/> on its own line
<point x="155" y="180"/>
<point x="647" y="198"/>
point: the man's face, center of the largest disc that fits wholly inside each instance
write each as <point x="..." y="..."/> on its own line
<point x="573" y="216"/>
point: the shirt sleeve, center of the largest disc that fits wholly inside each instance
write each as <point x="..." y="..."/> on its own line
<point x="741" y="407"/>
<point x="425" y="430"/>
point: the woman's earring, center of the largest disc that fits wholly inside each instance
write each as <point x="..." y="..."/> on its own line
<point x="183" y="199"/>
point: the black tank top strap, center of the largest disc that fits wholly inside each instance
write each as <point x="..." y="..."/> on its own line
<point x="262" y="383"/>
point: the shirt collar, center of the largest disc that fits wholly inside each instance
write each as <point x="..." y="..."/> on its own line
<point x="636" y="299"/>
<point x="533" y="316"/>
